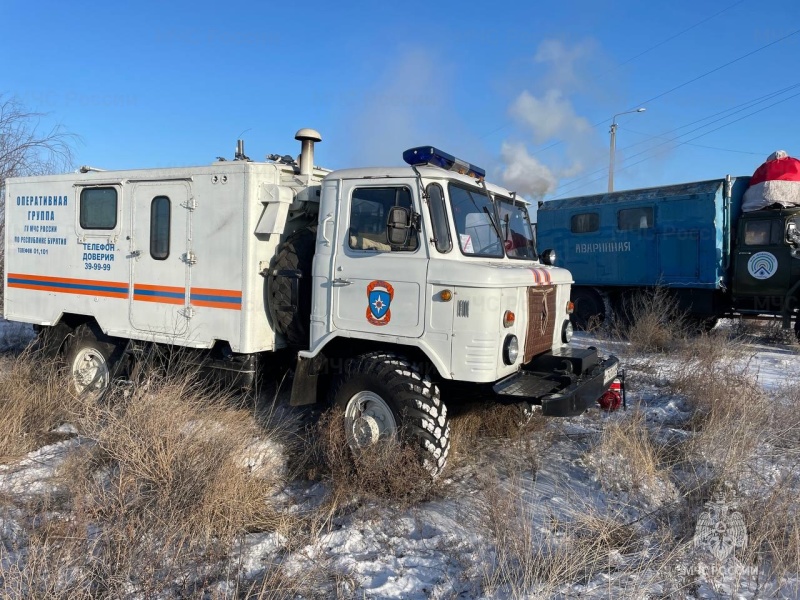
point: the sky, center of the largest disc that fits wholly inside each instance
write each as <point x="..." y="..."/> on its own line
<point x="526" y="90"/>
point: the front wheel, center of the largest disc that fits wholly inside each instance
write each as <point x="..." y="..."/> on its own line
<point x="589" y="308"/>
<point x="384" y="395"/>
<point x="91" y="359"/>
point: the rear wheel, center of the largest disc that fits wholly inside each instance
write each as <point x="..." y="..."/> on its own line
<point x="91" y="360"/>
<point x="384" y="395"/>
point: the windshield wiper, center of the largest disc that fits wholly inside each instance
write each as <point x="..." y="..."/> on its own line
<point x="486" y="210"/>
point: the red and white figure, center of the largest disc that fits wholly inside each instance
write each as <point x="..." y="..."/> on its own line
<point x="776" y="182"/>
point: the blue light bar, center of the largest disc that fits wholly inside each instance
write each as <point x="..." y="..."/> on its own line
<point x="428" y="155"/>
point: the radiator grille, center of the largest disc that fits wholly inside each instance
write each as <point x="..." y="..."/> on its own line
<point x="541" y="320"/>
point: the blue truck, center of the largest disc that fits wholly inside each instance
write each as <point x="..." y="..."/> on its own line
<point x="693" y="239"/>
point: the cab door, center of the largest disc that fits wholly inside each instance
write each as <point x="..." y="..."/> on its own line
<point x="159" y="257"/>
<point x="377" y="288"/>
<point x="763" y="258"/>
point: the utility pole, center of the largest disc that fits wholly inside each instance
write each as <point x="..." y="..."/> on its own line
<point x="614" y="145"/>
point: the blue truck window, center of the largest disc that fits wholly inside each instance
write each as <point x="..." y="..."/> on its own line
<point x="436" y="206"/>
<point x="635" y="218"/>
<point x="585" y="223"/>
<point x="98" y="208"/>
<point x="159" y="227"/>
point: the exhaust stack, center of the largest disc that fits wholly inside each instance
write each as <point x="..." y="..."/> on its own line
<point x="307" y="137"/>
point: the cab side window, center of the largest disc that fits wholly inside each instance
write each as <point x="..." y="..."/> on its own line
<point x="757" y="233"/>
<point x="369" y="213"/>
<point x="438" y="210"/>
<point x="98" y="208"/>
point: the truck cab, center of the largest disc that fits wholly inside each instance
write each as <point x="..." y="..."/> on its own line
<point x="434" y="262"/>
<point x="767" y="261"/>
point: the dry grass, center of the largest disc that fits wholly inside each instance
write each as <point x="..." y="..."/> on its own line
<point x="476" y="424"/>
<point x="651" y="321"/>
<point x="626" y="458"/>
<point x="388" y="472"/>
<point x="165" y="481"/>
<point x="533" y="558"/>
<point x="33" y="402"/>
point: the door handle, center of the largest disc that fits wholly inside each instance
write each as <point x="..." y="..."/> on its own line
<point x="328" y="218"/>
<point x="341" y="281"/>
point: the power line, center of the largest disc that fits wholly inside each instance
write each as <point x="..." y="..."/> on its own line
<point x="680" y="33"/>
<point x="686" y="142"/>
<point x="661" y="137"/>
<point x="727" y="64"/>
<point x="629" y="60"/>
<point x="684" y="84"/>
<point x="728" y="112"/>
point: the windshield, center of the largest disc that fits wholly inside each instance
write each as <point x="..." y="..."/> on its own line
<point x="515" y="225"/>
<point x="473" y="214"/>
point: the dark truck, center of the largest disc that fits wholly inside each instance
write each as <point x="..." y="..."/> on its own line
<point x="691" y="238"/>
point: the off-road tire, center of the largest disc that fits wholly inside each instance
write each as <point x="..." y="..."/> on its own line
<point x="90" y="352"/>
<point x="296" y="253"/>
<point x="413" y="398"/>
<point x="590" y="308"/>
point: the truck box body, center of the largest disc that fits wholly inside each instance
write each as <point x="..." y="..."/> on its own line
<point x="676" y="236"/>
<point x="693" y="239"/>
<point x="198" y="283"/>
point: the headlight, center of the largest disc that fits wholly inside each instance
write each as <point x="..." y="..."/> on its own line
<point x="510" y="350"/>
<point x="566" y="331"/>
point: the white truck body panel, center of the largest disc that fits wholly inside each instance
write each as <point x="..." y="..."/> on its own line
<point x="226" y="221"/>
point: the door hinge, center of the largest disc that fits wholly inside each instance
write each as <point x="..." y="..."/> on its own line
<point x="190" y="258"/>
<point x="188" y="312"/>
<point x="190" y="204"/>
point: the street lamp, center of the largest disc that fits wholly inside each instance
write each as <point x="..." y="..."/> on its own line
<point x="614" y="145"/>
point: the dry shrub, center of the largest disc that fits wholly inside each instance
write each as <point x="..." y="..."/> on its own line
<point x="33" y="401"/>
<point x="731" y="411"/>
<point x="488" y="421"/>
<point x="388" y="471"/>
<point x="784" y="432"/>
<point x="168" y="482"/>
<point x="651" y="321"/>
<point x="533" y="559"/>
<point x="773" y="524"/>
<point x="625" y="457"/>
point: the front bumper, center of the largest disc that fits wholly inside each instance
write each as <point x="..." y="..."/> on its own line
<point x="564" y="384"/>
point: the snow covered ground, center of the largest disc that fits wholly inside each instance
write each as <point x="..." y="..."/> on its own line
<point x="529" y="517"/>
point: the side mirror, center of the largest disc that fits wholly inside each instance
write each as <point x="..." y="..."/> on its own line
<point x="398" y="226"/>
<point x="792" y="234"/>
<point x="549" y="257"/>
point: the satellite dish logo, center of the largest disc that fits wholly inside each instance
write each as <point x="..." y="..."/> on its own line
<point x="762" y="265"/>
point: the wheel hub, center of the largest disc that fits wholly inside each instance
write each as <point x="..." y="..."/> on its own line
<point x="89" y="370"/>
<point x="366" y="430"/>
<point x="368" y="418"/>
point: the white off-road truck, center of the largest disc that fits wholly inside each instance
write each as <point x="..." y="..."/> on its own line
<point x="387" y="284"/>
